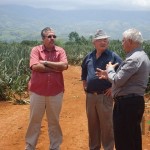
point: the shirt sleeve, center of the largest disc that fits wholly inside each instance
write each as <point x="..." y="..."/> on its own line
<point x="116" y="59"/>
<point x="34" y="56"/>
<point x="63" y="56"/>
<point x="84" y="69"/>
<point x="124" y="72"/>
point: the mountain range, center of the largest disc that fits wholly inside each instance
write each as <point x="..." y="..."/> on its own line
<point x="19" y="23"/>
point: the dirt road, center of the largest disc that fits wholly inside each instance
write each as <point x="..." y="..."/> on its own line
<point x="14" y="120"/>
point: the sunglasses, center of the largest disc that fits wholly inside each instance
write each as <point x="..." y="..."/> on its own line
<point x="50" y="36"/>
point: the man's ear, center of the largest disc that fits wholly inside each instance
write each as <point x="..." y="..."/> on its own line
<point x="130" y="41"/>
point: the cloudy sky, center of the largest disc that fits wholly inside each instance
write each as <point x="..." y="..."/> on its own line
<point x="84" y="4"/>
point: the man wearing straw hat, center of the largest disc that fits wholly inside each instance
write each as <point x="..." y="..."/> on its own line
<point x="99" y="103"/>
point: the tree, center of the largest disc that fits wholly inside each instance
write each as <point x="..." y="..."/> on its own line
<point x="74" y="37"/>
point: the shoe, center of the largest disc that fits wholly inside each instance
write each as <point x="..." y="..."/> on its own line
<point x="29" y="147"/>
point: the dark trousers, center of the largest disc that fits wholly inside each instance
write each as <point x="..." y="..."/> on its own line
<point x="127" y="116"/>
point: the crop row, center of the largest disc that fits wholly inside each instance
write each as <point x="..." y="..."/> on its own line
<point x="14" y="62"/>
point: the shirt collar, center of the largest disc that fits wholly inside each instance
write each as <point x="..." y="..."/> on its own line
<point x="134" y="50"/>
<point x="44" y="49"/>
<point x="105" y="52"/>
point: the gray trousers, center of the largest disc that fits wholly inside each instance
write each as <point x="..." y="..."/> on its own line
<point x="38" y="106"/>
<point x="99" y="110"/>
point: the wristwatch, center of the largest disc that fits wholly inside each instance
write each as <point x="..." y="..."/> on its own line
<point x="45" y="63"/>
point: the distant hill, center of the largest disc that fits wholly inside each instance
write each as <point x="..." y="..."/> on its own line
<point x="19" y="23"/>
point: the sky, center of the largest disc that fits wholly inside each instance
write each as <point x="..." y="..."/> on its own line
<point x="83" y="4"/>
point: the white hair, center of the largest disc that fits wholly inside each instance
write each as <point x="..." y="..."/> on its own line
<point x="134" y="35"/>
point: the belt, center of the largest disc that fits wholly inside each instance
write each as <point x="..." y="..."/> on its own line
<point x="96" y="93"/>
<point x="125" y="96"/>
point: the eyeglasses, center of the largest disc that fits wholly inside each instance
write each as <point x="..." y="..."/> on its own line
<point x="50" y="36"/>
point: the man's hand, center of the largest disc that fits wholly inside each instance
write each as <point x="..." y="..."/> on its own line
<point x="43" y="62"/>
<point x="111" y="65"/>
<point x="85" y="85"/>
<point x="108" y="92"/>
<point x="55" y="66"/>
<point x="102" y="74"/>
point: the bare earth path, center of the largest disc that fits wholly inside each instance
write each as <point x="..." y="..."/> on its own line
<point x="14" y="120"/>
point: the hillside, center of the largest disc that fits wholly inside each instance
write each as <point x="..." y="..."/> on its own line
<point x="19" y="23"/>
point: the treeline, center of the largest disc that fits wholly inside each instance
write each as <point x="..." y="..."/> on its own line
<point x="14" y="61"/>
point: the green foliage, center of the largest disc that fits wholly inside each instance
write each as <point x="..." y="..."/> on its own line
<point x="14" y="70"/>
<point x="116" y="46"/>
<point x="30" y="43"/>
<point x="146" y="47"/>
<point x="14" y="61"/>
<point x="77" y="48"/>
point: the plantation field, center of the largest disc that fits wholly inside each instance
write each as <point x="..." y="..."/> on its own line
<point x="14" y="120"/>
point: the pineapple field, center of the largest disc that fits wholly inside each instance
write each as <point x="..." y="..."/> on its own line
<point x="14" y="99"/>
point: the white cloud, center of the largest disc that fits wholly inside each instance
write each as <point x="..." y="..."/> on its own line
<point x="142" y="3"/>
<point x="84" y="4"/>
